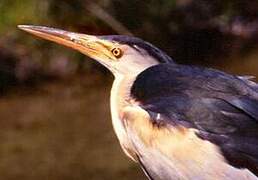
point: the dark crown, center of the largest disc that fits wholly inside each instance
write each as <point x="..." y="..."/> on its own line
<point x="158" y="54"/>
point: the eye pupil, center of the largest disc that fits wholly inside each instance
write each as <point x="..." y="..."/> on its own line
<point x="117" y="52"/>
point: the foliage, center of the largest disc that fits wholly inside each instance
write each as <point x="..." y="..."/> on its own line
<point x="191" y="31"/>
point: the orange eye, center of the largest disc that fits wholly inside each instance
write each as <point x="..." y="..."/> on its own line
<point x="117" y="52"/>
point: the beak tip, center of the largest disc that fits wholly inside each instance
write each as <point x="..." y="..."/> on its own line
<point x="21" y="26"/>
<point x="29" y="27"/>
<point x="24" y="27"/>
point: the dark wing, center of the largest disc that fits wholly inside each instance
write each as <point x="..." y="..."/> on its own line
<point x="222" y="107"/>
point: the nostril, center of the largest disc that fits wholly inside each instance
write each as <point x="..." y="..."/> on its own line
<point x="72" y="39"/>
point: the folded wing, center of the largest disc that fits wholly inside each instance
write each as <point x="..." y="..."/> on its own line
<point x="221" y="107"/>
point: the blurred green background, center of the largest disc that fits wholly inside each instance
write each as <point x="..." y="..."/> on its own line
<point x="54" y="102"/>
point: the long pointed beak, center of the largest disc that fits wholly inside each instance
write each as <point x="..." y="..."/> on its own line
<point x="87" y="44"/>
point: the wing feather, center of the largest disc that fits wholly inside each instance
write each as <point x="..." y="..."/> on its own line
<point x="222" y="107"/>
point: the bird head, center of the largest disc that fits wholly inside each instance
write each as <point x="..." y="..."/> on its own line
<point x="122" y="55"/>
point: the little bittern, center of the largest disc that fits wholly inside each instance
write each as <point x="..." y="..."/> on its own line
<point x="176" y="121"/>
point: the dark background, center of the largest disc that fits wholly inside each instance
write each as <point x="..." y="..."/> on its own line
<point x="54" y="102"/>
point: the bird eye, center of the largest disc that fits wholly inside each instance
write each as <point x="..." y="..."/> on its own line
<point x="117" y="52"/>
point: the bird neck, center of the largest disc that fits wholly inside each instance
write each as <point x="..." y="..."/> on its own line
<point x="120" y="98"/>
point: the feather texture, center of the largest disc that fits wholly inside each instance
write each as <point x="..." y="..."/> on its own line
<point x="222" y="108"/>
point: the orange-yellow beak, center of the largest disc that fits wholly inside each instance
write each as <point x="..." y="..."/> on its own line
<point x="89" y="45"/>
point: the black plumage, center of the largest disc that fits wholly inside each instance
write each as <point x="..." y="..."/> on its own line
<point x="222" y="107"/>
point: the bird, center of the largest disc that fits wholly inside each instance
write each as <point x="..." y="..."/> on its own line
<point x="176" y="121"/>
